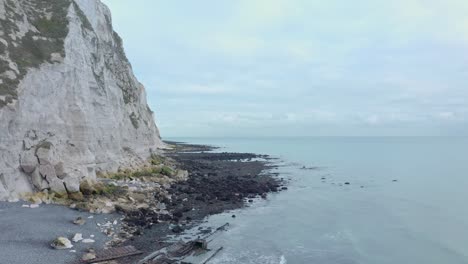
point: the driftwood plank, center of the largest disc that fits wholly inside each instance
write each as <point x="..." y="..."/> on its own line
<point x="115" y="253"/>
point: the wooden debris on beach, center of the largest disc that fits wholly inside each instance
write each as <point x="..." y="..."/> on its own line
<point x="114" y="253"/>
<point x="181" y="250"/>
<point x="213" y="255"/>
<point x="178" y="251"/>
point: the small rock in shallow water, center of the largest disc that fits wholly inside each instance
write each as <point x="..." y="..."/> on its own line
<point x="233" y="216"/>
<point x="395" y="180"/>
<point x="177" y="229"/>
<point x="284" y="188"/>
<point x="79" y="221"/>
<point x="34" y="206"/>
<point x="88" y="240"/>
<point x="250" y="201"/>
<point x="61" y="243"/>
<point x="347" y="183"/>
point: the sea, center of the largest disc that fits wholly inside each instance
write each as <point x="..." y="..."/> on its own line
<point x="406" y="202"/>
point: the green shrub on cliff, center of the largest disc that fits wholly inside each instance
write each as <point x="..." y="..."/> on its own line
<point x="165" y="170"/>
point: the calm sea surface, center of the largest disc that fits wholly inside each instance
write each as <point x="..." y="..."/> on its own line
<point x="422" y="218"/>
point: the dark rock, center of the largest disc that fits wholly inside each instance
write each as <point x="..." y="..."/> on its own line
<point x="178" y="214"/>
<point x="177" y="229"/>
<point x="216" y="183"/>
<point x="347" y="183"/>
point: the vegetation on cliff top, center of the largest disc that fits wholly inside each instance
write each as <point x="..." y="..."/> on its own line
<point x="49" y="17"/>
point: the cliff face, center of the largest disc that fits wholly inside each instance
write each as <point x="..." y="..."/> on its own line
<point x="70" y="105"/>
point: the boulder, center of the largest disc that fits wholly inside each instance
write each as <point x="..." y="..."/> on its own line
<point x="73" y="183"/>
<point x="79" y="221"/>
<point x="28" y="161"/>
<point x="43" y="154"/>
<point x="143" y="206"/>
<point x="38" y="181"/>
<point x="47" y="172"/>
<point x="60" y="170"/>
<point x="61" y="243"/>
<point x="28" y="143"/>
<point x="56" y="185"/>
<point x="181" y="175"/>
<point x="125" y="208"/>
<point x="138" y="197"/>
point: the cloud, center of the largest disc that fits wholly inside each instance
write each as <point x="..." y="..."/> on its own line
<point x="234" y="45"/>
<point x="200" y="89"/>
<point x="297" y="66"/>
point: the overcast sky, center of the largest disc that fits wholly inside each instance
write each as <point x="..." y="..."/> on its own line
<point x="300" y="67"/>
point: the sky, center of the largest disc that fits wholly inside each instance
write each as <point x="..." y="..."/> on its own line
<point x="300" y="67"/>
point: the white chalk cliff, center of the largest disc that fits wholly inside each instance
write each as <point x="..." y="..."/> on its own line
<point x="70" y="105"/>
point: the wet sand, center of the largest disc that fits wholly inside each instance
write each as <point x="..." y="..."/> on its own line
<point x="26" y="233"/>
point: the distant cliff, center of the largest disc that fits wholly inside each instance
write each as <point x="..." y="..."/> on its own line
<point x="69" y="103"/>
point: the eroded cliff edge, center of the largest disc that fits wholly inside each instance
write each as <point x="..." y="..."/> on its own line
<point x="70" y="105"/>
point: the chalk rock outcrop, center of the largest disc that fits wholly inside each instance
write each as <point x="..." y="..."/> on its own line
<point x="70" y="105"/>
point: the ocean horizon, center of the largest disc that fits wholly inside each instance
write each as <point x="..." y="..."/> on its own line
<point x="363" y="200"/>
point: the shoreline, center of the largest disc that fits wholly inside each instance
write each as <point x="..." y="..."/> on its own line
<point x="216" y="182"/>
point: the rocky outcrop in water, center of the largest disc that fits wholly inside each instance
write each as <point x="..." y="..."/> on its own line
<point x="70" y="105"/>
